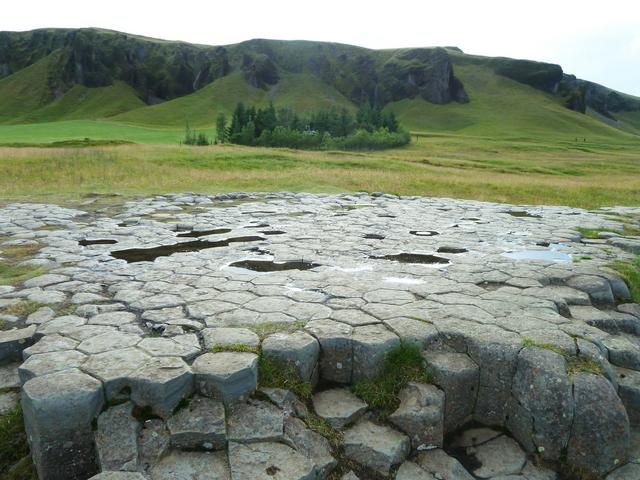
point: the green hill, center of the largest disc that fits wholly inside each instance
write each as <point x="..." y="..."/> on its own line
<point x="301" y="92"/>
<point x="501" y="107"/>
<point x="26" y="90"/>
<point x="111" y="82"/>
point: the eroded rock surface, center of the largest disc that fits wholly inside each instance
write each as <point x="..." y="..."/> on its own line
<point x="514" y="332"/>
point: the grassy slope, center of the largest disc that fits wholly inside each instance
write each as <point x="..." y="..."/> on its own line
<point x="86" y="103"/>
<point x="25" y="91"/>
<point x="299" y="91"/>
<point x="501" y="107"/>
<point x="630" y="120"/>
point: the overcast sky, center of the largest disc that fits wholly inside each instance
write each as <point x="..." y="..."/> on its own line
<point x="598" y="41"/>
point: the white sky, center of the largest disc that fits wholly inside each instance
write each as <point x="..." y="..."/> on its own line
<point x="597" y="41"/>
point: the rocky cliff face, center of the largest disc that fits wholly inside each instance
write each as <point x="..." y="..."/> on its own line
<point x="581" y="94"/>
<point x="427" y="73"/>
<point x="97" y="58"/>
<point x="164" y="70"/>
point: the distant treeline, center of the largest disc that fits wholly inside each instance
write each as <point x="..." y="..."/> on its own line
<point x="370" y="129"/>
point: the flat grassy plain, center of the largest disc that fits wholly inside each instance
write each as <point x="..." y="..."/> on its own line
<point x="49" y="132"/>
<point x="504" y="170"/>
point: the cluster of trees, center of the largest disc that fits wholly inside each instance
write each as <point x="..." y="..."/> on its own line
<point x="370" y="129"/>
<point x="193" y="137"/>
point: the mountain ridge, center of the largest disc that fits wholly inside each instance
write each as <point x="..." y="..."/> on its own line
<point x="53" y="74"/>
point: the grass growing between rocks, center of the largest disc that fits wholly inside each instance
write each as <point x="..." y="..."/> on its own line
<point x="14" y="274"/>
<point x="235" y="347"/>
<point x="402" y="365"/>
<point x="265" y="329"/>
<point x="20" y="252"/>
<point x="277" y="374"/>
<point x="630" y="273"/>
<point x="577" y="365"/>
<point x="23" y="308"/>
<point x="592" y="233"/>
<point x="321" y="426"/>
<point x="15" y="460"/>
<point x="573" y="364"/>
<point x="11" y="255"/>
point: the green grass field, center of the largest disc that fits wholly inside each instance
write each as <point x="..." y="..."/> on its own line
<point x="439" y="165"/>
<point x="94" y="129"/>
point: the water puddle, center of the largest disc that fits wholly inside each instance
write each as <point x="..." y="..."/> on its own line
<point x="415" y="258"/>
<point x="258" y="225"/>
<point x="521" y="214"/>
<point x="273" y="232"/>
<point x="374" y="236"/>
<point x="424" y="233"/>
<point x="105" y="241"/>
<point x="258" y="251"/>
<point x="551" y="254"/>
<point x="133" y="255"/>
<point x="452" y="250"/>
<point x="267" y="266"/>
<point x="204" y="233"/>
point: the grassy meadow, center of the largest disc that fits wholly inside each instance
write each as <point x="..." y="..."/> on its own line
<point x="517" y="171"/>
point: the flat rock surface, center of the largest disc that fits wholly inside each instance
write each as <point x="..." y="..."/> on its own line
<point x="255" y="422"/>
<point x="357" y="273"/>
<point x="338" y="406"/>
<point x="199" y="425"/>
<point x="192" y="466"/>
<point x="500" y="456"/>
<point x="266" y="461"/>
<point x="376" y="447"/>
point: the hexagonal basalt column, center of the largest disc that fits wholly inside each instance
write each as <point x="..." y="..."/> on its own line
<point x="600" y="433"/>
<point x="371" y="344"/>
<point x="336" y="360"/>
<point x="299" y="350"/>
<point x="457" y="375"/>
<point x="226" y="376"/>
<point x="58" y="413"/>
<point x="13" y="342"/>
<point x="161" y="383"/>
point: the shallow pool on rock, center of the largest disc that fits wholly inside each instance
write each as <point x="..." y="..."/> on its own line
<point x="105" y="241"/>
<point x="204" y="233"/>
<point x="133" y="255"/>
<point x="550" y="255"/>
<point x="421" y="258"/>
<point x="265" y="266"/>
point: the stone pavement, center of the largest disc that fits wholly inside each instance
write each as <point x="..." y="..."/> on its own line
<point x="522" y="324"/>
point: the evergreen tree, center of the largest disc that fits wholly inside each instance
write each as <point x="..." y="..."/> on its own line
<point x="269" y="118"/>
<point x="221" y="128"/>
<point x="247" y="135"/>
<point x="238" y="121"/>
<point x="389" y="121"/>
